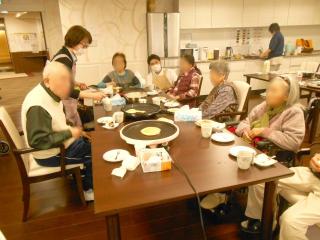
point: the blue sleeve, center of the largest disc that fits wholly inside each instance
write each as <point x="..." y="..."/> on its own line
<point x="275" y="41"/>
<point x="104" y="82"/>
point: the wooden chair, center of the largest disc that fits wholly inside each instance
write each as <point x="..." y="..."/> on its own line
<point x="30" y="171"/>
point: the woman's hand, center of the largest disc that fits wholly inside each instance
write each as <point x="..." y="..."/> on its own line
<point x="255" y="132"/>
<point x="98" y="96"/>
<point x="315" y="163"/>
<point x="246" y="136"/>
<point x="81" y="85"/>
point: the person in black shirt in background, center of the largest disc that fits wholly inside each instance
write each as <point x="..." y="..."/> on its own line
<point x="76" y="41"/>
<point x="276" y="46"/>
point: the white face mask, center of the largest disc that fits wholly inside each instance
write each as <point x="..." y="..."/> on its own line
<point x="156" y="68"/>
<point x="80" y="51"/>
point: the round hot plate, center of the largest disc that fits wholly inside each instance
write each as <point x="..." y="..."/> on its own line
<point x="131" y="133"/>
<point x="140" y="110"/>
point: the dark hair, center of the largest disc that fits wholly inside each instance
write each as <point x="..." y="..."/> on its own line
<point x="151" y="57"/>
<point x="190" y="59"/>
<point x="75" y="35"/>
<point x="274" y="27"/>
<point x="119" y="54"/>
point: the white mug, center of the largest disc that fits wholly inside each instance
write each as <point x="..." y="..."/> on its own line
<point x="142" y="100"/>
<point x="118" y="117"/>
<point x="206" y="130"/>
<point x="244" y="159"/>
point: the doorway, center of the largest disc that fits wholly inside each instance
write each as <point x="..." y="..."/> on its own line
<point x="5" y="56"/>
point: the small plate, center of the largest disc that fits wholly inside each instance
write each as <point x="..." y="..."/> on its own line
<point x="172" y="104"/>
<point x="235" y="150"/>
<point x="107" y="126"/>
<point x="104" y="120"/>
<point x="115" y="155"/>
<point x="152" y="93"/>
<point x="262" y="160"/>
<point x="222" y="137"/>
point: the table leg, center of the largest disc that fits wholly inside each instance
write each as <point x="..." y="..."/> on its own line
<point x="268" y="210"/>
<point x="314" y="123"/>
<point x="113" y="227"/>
<point x="248" y="80"/>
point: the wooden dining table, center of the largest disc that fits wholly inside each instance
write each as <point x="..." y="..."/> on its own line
<point x="208" y="165"/>
<point x="304" y="87"/>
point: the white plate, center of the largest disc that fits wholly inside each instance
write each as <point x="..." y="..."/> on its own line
<point x="263" y="160"/>
<point x="152" y="93"/>
<point x="107" y="126"/>
<point x="234" y="150"/>
<point x="222" y="137"/>
<point x="104" y="120"/>
<point x="115" y="155"/>
<point x="172" y="104"/>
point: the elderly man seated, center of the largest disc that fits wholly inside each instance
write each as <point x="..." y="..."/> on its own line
<point x="45" y="126"/>
<point x="223" y="96"/>
<point x="302" y="190"/>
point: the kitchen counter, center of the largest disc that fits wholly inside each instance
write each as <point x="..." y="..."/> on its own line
<point x="313" y="53"/>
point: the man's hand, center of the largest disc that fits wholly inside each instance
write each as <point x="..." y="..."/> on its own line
<point x="76" y="132"/>
<point x="315" y="163"/>
<point x="83" y="86"/>
<point x="255" y="132"/>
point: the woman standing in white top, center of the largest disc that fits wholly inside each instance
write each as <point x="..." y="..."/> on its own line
<point x="159" y="78"/>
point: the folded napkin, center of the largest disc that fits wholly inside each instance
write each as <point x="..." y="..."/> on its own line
<point x="130" y="163"/>
<point x="185" y="114"/>
<point x="119" y="172"/>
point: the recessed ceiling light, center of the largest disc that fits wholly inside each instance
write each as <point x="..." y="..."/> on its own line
<point x="4" y="12"/>
<point x="19" y="14"/>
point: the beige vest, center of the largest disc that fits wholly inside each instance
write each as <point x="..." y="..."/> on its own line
<point x="161" y="81"/>
<point x="39" y="97"/>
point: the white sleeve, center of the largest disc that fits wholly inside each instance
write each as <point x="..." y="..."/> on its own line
<point x="149" y="80"/>
<point x="171" y="75"/>
<point x="141" y="79"/>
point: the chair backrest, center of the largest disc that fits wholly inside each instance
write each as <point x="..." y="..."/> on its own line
<point x="13" y="137"/>
<point x="200" y="85"/>
<point x="243" y="91"/>
<point x="309" y="66"/>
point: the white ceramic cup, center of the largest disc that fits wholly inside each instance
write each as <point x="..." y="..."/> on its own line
<point x="118" y="117"/>
<point x="107" y="105"/>
<point x="206" y="130"/>
<point x="138" y="147"/>
<point x="244" y="159"/>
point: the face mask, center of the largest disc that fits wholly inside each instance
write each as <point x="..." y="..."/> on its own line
<point x="122" y="74"/>
<point x="80" y="51"/>
<point x="156" y="68"/>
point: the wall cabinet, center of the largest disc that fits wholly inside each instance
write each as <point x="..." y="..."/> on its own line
<point x="227" y="13"/>
<point x="187" y="10"/>
<point x="203" y="10"/>
<point x="247" y="13"/>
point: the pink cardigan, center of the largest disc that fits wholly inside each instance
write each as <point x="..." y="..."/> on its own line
<point x="286" y="130"/>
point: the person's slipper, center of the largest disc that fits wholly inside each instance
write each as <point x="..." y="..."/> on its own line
<point x="212" y="200"/>
<point x="252" y="226"/>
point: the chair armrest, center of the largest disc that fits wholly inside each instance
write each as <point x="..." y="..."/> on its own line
<point x="230" y="114"/>
<point x="25" y="150"/>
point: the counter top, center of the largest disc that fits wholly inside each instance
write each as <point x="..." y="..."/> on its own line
<point x="314" y="53"/>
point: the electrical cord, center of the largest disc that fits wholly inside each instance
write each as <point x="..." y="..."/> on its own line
<point x="181" y="170"/>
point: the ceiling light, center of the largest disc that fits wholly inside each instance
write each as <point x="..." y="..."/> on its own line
<point x="4" y="12"/>
<point x="19" y="14"/>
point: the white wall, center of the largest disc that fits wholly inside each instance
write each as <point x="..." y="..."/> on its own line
<point x="115" y="26"/>
<point x="16" y="26"/>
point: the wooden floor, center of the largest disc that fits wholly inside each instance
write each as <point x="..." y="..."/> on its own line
<point x="56" y="212"/>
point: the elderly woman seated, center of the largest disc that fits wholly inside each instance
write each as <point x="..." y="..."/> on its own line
<point x="279" y="119"/>
<point x="223" y="96"/>
<point x="120" y="76"/>
<point x="188" y="83"/>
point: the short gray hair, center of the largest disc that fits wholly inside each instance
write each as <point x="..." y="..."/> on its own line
<point x="293" y="89"/>
<point x="52" y="68"/>
<point x="221" y="67"/>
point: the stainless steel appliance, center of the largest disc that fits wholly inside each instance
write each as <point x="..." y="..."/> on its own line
<point x="164" y="37"/>
<point x="190" y="51"/>
<point x="229" y="53"/>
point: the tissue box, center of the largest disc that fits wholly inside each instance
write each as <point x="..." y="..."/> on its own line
<point x="187" y="115"/>
<point x="154" y="160"/>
